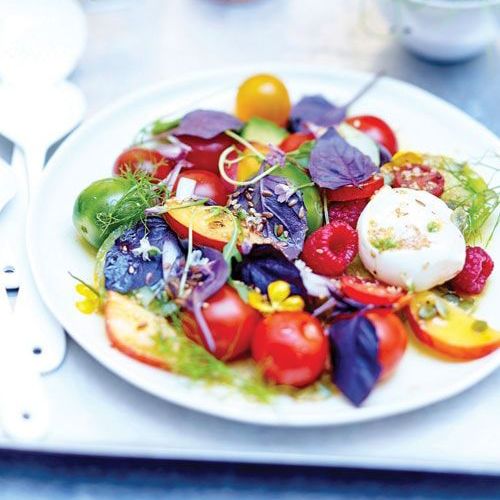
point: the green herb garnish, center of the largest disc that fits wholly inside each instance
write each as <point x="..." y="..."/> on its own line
<point x="130" y="209"/>
<point x="383" y="244"/>
<point x="433" y="226"/>
<point x="468" y="194"/>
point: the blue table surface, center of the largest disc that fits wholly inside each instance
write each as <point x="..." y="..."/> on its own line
<point x="474" y="87"/>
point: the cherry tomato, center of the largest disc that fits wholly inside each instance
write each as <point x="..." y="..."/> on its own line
<point x="208" y="185"/>
<point x="146" y="160"/>
<point x="205" y="153"/>
<point x="364" y="190"/>
<point x="294" y="141"/>
<point x="291" y="348"/>
<point x="231" y="321"/>
<point x="264" y="96"/>
<point x="377" y="129"/>
<point x="392" y="340"/>
<point x="419" y="177"/>
<point x="370" y="291"/>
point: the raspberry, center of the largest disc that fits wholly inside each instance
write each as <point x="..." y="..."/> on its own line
<point x="347" y="211"/>
<point x="472" y="278"/>
<point x="331" y="248"/>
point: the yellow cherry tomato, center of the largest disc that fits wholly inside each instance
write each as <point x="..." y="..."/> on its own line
<point x="264" y="96"/>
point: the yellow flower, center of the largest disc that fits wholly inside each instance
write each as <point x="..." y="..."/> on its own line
<point x="90" y="302"/>
<point x="401" y="158"/>
<point x="278" y="299"/>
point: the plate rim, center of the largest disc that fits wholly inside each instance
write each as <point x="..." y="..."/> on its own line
<point x="362" y="414"/>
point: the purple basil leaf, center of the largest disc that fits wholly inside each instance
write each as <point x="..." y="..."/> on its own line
<point x="315" y="109"/>
<point x="335" y="163"/>
<point x="216" y="277"/>
<point x="206" y="124"/>
<point x="319" y="111"/>
<point x="129" y="266"/>
<point x="265" y="264"/>
<point x="354" y="352"/>
<point x="280" y="214"/>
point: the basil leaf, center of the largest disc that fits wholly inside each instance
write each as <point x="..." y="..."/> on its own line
<point x="206" y="124"/>
<point x="135" y="259"/>
<point x="265" y="264"/>
<point x="277" y="211"/>
<point x="315" y="109"/>
<point x="354" y="352"/>
<point x="334" y="163"/>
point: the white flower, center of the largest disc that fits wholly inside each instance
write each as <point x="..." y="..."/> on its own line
<point x="197" y="259"/>
<point x="145" y="249"/>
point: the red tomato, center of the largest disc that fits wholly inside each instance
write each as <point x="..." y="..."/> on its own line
<point x="370" y="291"/>
<point x="419" y="177"/>
<point x="205" y="153"/>
<point x="208" y="185"/>
<point x="364" y="190"/>
<point x="231" y="321"/>
<point x="146" y="160"/>
<point x="392" y="340"/>
<point x="291" y="348"/>
<point x="294" y="141"/>
<point x="377" y="129"/>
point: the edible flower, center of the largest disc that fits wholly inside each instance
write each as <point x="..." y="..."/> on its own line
<point x="145" y="249"/>
<point x="278" y="299"/>
<point x="91" y="300"/>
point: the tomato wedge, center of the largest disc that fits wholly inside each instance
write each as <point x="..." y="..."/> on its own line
<point x="419" y="177"/>
<point x="364" y="190"/>
<point x="369" y="291"/>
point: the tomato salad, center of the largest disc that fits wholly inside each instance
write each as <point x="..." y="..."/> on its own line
<point x="293" y="238"/>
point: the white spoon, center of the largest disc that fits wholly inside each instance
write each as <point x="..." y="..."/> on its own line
<point x="24" y="409"/>
<point x="34" y="122"/>
<point x="38" y="116"/>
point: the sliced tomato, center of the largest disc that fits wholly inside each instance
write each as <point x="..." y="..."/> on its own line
<point x="351" y="192"/>
<point x="294" y="141"/>
<point x="420" y="177"/>
<point x="369" y="291"/>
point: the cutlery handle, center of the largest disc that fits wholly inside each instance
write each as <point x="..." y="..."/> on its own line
<point x="24" y="409"/>
<point x="44" y="335"/>
<point x="11" y="220"/>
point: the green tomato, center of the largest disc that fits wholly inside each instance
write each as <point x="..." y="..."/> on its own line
<point x="97" y="200"/>
<point x="310" y="194"/>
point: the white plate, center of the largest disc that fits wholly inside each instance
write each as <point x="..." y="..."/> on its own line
<point x="421" y="121"/>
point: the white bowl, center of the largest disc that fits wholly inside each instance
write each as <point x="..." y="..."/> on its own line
<point x="444" y="30"/>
